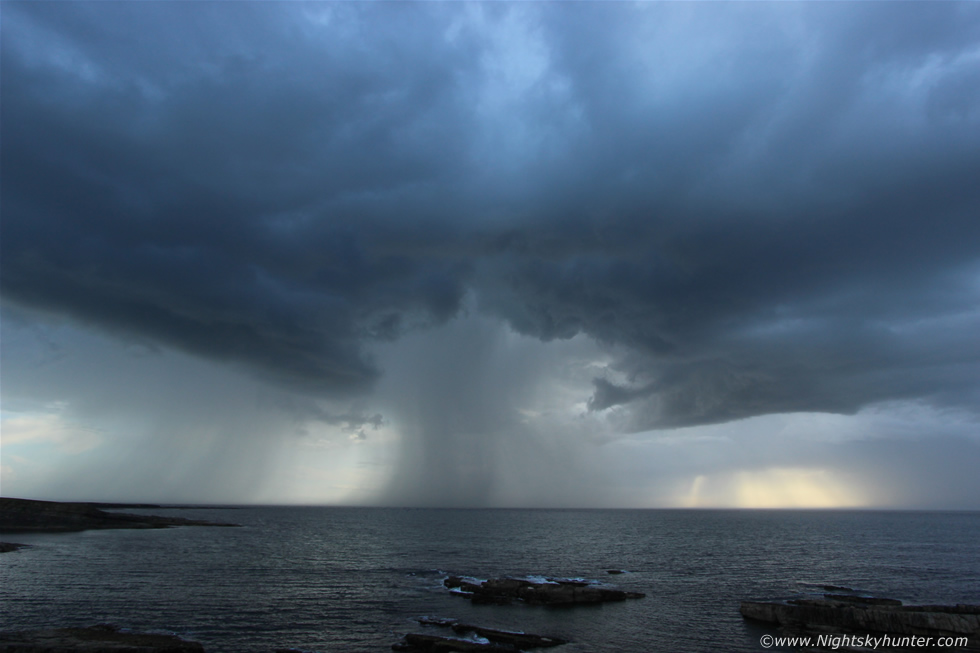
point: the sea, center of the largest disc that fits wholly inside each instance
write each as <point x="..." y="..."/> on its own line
<point x="357" y="579"/>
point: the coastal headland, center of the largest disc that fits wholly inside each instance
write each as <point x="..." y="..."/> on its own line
<point x="31" y="516"/>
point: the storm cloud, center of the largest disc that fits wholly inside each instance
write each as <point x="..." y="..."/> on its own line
<point x="755" y="209"/>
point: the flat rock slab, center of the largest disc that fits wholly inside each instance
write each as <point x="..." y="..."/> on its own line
<point x="103" y="638"/>
<point x="550" y="592"/>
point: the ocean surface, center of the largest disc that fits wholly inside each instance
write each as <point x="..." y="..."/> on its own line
<point x="354" y="579"/>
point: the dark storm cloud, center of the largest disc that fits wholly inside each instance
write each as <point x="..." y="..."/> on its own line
<point x="218" y="201"/>
<point x="768" y="207"/>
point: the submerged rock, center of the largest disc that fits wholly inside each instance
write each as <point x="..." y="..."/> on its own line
<point x="550" y="592"/>
<point x="867" y="600"/>
<point x="102" y="638"/>
<point x="860" y="614"/>
<point x="517" y="639"/>
<point x="473" y="638"/>
<point x="414" y="642"/>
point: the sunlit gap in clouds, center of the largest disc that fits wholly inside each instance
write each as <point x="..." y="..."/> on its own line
<point x="791" y="487"/>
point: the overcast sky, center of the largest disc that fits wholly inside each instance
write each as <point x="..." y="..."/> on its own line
<point x="513" y="254"/>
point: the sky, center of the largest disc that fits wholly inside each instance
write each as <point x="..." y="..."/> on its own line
<point x="528" y="254"/>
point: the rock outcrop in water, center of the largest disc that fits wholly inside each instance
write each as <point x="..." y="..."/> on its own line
<point x="470" y="638"/>
<point x="540" y="591"/>
<point x="103" y="638"/>
<point x="19" y="515"/>
<point x="840" y="613"/>
<point x="551" y="591"/>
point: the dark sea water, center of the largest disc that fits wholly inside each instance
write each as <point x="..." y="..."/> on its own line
<point x="353" y="579"/>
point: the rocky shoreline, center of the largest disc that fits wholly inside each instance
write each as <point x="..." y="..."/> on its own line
<point x="844" y="611"/>
<point x="28" y="515"/>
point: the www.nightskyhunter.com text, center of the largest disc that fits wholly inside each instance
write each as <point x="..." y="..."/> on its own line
<point x="873" y="642"/>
